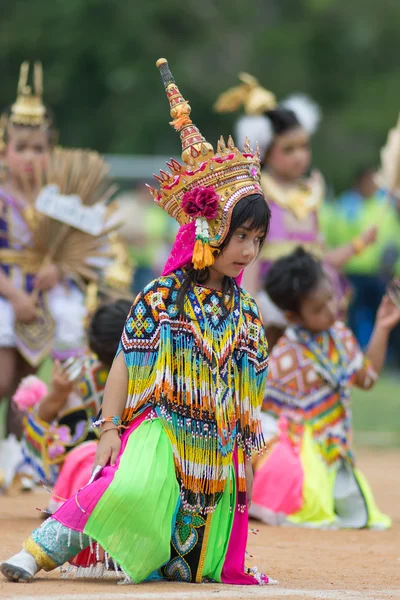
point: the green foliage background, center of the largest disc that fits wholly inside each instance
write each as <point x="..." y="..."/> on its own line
<point x="100" y="76"/>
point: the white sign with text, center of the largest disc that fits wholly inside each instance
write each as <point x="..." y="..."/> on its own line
<point x="70" y="210"/>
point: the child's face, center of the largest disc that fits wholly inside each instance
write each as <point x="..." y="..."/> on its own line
<point x="319" y="309"/>
<point x="242" y="249"/>
<point x="25" y="147"/>
<point x="290" y="155"/>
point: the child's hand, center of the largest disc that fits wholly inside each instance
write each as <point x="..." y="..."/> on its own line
<point x="369" y="236"/>
<point x="108" y="448"/>
<point x="388" y="315"/>
<point x="47" y="278"/>
<point x="54" y="401"/>
<point x="24" y="307"/>
<point x="61" y="386"/>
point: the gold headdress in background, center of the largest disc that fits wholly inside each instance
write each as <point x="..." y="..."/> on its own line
<point x="256" y="102"/>
<point x="207" y="187"/>
<point x="28" y="109"/>
<point x="255" y="99"/>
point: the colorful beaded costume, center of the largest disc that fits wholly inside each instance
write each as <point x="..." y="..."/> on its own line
<point x="174" y="505"/>
<point x="309" y="476"/>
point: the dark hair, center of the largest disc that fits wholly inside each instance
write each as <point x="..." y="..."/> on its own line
<point x="106" y="328"/>
<point x="362" y="171"/>
<point x="282" y="120"/>
<point x="291" y="279"/>
<point x="252" y="209"/>
<point x="51" y="124"/>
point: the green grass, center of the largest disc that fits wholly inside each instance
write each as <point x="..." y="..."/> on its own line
<point x="376" y="413"/>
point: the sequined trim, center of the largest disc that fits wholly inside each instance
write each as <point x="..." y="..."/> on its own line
<point x="42" y="559"/>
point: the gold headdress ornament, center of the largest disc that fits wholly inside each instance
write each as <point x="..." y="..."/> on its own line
<point x="28" y="109"/>
<point x="255" y="124"/>
<point x="255" y="99"/>
<point x="207" y="187"/>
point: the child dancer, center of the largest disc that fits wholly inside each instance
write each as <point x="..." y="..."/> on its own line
<point x="58" y="430"/>
<point x="283" y="131"/>
<point x="310" y="477"/>
<point x="180" y="416"/>
<point x="27" y="137"/>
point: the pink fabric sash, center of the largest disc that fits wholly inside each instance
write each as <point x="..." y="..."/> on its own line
<point x="234" y="564"/>
<point x="76" y="511"/>
<point x="75" y="472"/>
<point x="278" y="484"/>
<point x="182" y="250"/>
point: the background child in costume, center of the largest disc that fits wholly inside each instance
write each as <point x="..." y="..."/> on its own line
<point x="309" y="477"/>
<point x="27" y="138"/>
<point x="58" y="431"/>
<point x="184" y="390"/>
<point x="283" y="133"/>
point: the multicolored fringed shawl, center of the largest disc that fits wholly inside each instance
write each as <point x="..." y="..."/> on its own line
<point x="310" y="382"/>
<point x="204" y="376"/>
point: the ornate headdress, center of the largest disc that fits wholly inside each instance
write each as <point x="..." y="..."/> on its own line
<point x="202" y="192"/>
<point x="28" y="109"/>
<point x="257" y="101"/>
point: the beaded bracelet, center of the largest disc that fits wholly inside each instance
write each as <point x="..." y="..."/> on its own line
<point x="358" y="245"/>
<point x="115" y="420"/>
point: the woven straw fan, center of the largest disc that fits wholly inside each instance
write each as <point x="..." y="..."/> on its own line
<point x="76" y="172"/>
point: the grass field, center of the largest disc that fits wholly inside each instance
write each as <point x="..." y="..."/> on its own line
<point x="376" y="413"/>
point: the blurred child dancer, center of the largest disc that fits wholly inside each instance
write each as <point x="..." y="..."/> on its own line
<point x="58" y="442"/>
<point x="180" y="416"/>
<point x="27" y="137"/>
<point x="309" y="477"/>
<point x="283" y="131"/>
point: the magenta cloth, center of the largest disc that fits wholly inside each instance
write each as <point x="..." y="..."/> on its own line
<point x="278" y="484"/>
<point x="233" y="571"/>
<point x="70" y="514"/>
<point x="182" y="251"/>
<point x="76" y="471"/>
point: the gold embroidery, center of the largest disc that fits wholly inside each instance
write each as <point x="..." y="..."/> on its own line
<point x="199" y="574"/>
<point x="42" y="559"/>
<point x="302" y="198"/>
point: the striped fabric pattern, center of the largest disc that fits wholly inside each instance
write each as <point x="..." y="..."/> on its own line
<point x="301" y="387"/>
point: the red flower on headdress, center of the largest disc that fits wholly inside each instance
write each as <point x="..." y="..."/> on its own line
<point x="201" y="202"/>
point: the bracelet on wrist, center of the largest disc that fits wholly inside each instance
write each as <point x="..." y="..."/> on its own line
<point x="358" y="245"/>
<point x="114" y="420"/>
<point x="110" y="429"/>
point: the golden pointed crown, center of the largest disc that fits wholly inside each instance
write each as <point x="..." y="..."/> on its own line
<point x="229" y="172"/>
<point x="28" y="109"/>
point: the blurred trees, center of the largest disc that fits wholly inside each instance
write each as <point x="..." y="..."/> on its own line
<point x="100" y="76"/>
